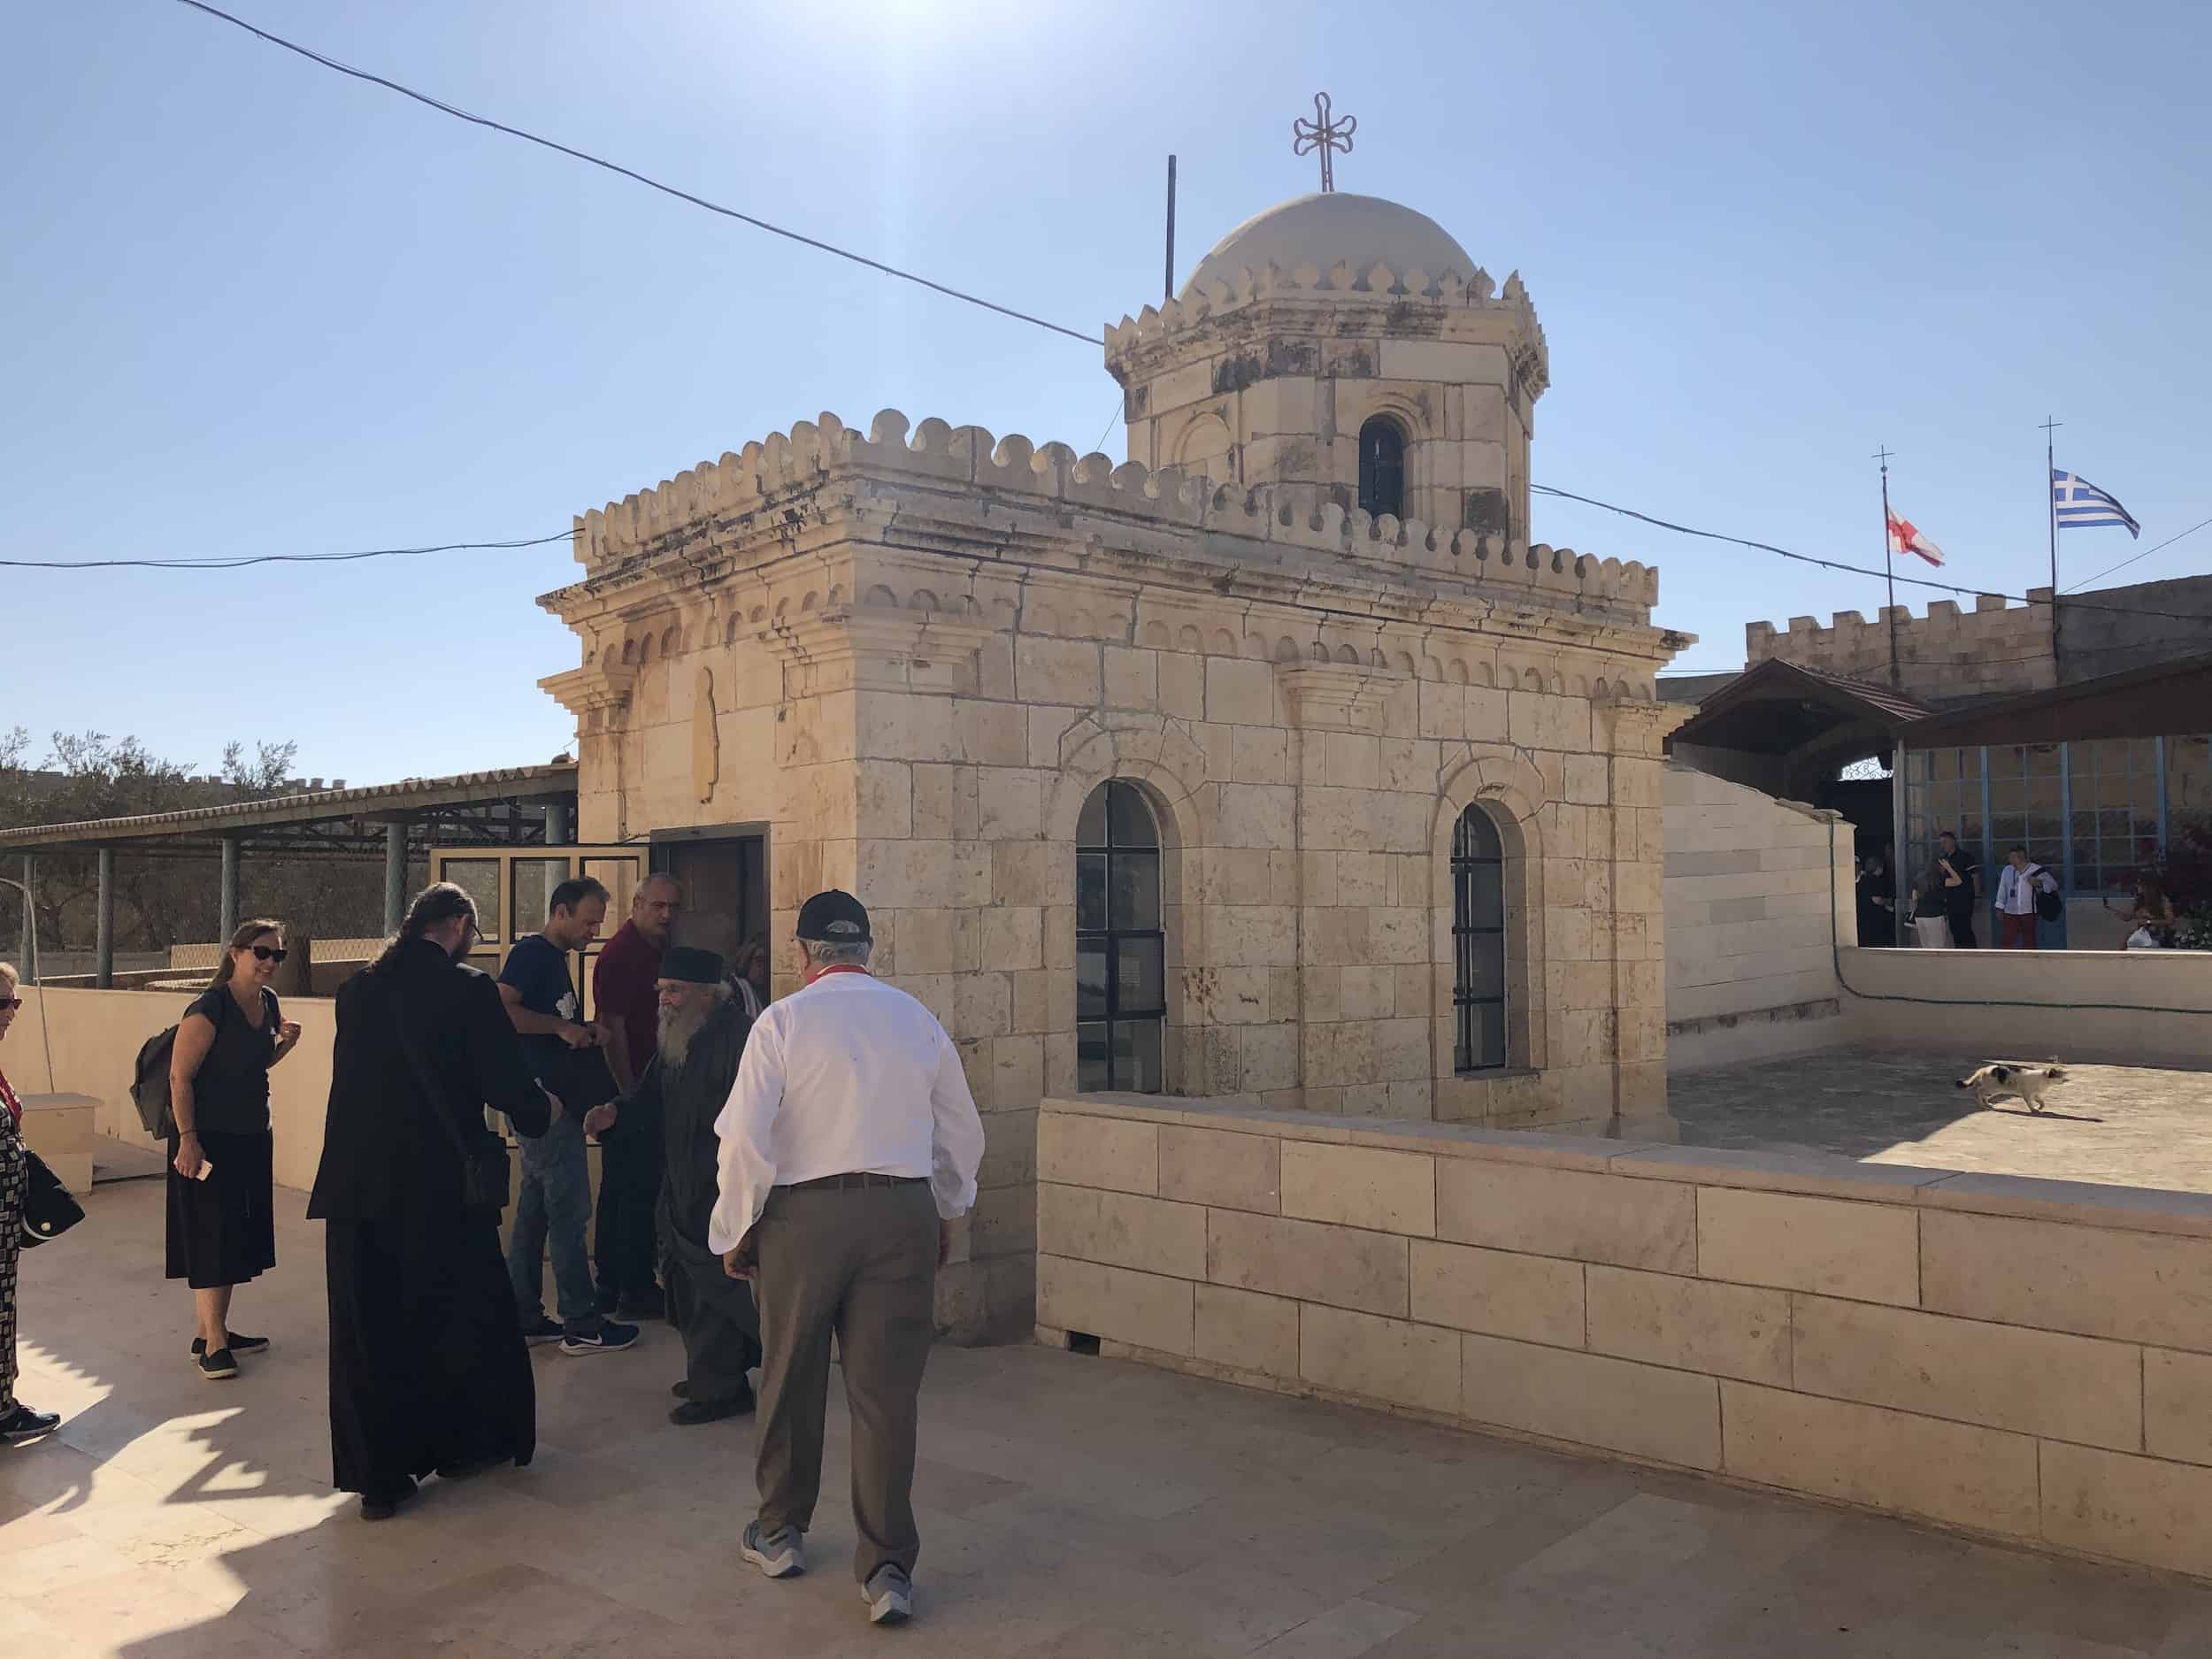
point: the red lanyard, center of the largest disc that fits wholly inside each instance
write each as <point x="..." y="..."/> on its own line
<point x="8" y="1099"/>
<point x="841" y="967"/>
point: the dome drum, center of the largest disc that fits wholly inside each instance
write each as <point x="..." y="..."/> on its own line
<point x="1305" y="327"/>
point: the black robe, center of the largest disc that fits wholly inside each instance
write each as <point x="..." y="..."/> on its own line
<point x="678" y="1104"/>
<point x="429" y="1368"/>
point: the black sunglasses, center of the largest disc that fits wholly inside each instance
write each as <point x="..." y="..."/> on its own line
<point x="270" y="953"/>
<point x="11" y="1001"/>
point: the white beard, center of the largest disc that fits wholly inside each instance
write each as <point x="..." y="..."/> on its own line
<point x="677" y="1027"/>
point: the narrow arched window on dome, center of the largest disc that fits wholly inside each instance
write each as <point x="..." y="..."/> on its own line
<point x="1382" y="468"/>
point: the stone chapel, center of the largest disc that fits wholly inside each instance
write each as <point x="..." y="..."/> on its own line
<point x="1276" y="760"/>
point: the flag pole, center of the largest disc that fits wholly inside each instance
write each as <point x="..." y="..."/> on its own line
<point x="2050" y="508"/>
<point x="1889" y="563"/>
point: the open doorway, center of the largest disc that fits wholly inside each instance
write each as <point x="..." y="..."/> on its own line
<point x="724" y="869"/>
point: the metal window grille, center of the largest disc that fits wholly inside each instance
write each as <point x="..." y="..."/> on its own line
<point x="1120" y="950"/>
<point x="1382" y="468"/>
<point x="1478" y="944"/>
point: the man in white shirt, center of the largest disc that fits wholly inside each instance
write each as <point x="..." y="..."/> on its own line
<point x="849" y="1144"/>
<point x="2016" y="891"/>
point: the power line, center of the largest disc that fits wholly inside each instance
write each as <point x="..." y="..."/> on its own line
<point x="951" y="293"/>
<point x="1825" y="564"/>
<point x="2144" y="553"/>
<point x="240" y="562"/>
<point x="631" y="173"/>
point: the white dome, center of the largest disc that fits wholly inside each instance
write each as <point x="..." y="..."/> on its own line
<point x="1334" y="228"/>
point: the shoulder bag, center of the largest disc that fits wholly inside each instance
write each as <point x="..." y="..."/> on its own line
<point x="49" y="1210"/>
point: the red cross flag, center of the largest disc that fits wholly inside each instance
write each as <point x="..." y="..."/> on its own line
<point x="1903" y="538"/>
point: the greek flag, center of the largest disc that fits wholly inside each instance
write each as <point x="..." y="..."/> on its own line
<point x="2080" y="505"/>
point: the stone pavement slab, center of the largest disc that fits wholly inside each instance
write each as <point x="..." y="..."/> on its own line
<point x="1071" y="1507"/>
<point x="2122" y="1125"/>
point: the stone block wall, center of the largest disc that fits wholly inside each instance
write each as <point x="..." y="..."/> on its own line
<point x="2110" y="1006"/>
<point x="2111" y="630"/>
<point x="2017" y="1358"/>
<point x="1946" y="657"/>
<point x="914" y="662"/>
<point x="1758" y="892"/>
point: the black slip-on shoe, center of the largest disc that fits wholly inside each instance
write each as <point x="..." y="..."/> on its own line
<point x="695" y="1411"/>
<point x="381" y="1506"/>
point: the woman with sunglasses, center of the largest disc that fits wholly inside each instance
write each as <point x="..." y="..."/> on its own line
<point x="18" y="1421"/>
<point x="222" y="1228"/>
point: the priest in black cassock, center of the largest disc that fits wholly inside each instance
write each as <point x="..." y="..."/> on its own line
<point x="428" y="1369"/>
<point x="702" y="1034"/>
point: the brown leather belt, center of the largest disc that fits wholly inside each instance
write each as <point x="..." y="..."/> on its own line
<point x="856" y="1178"/>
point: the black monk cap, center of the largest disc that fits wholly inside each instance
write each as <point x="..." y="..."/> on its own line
<point x="834" y="918"/>
<point x="691" y="965"/>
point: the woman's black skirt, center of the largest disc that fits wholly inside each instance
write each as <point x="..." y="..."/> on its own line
<point x="222" y="1231"/>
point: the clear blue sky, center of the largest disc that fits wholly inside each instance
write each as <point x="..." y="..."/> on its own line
<point x="252" y="307"/>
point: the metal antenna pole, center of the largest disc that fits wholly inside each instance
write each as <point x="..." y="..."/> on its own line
<point x="1169" y="286"/>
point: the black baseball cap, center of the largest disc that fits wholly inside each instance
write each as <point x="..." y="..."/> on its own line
<point x="834" y="918"/>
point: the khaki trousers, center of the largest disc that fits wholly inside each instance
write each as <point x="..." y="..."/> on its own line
<point x="861" y="1262"/>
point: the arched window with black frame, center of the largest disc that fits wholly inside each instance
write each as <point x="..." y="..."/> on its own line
<point x="1478" y="944"/>
<point x="1120" y="951"/>
<point x="1382" y="468"/>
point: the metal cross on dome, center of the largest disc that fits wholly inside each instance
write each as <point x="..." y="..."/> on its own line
<point x="1325" y="133"/>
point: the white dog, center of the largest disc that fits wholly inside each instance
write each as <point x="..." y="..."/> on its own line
<point x="2009" y="1079"/>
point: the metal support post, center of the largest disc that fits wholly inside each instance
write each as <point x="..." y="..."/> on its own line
<point x="227" y="907"/>
<point x="1899" y="859"/>
<point x="104" y="937"/>
<point x="395" y="876"/>
<point x="27" y="959"/>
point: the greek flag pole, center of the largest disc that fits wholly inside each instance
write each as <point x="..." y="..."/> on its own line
<point x="2050" y="506"/>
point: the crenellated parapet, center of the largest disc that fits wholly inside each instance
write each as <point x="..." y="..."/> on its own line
<point x="1945" y="655"/>
<point x="1053" y="478"/>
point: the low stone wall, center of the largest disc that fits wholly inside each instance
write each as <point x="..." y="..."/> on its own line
<point x="96" y="1035"/>
<point x="1755" y="891"/>
<point x="2028" y="1360"/>
<point x="2119" y="1006"/>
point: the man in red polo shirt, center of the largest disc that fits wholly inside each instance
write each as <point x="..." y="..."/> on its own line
<point x="626" y="997"/>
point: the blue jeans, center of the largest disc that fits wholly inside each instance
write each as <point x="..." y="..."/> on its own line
<point x="554" y="1208"/>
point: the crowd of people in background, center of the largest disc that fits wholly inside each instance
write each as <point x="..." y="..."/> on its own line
<point x="1938" y="908"/>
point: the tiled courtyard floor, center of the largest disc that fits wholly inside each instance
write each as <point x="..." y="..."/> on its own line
<point x="1072" y="1506"/>
<point x="2130" y="1125"/>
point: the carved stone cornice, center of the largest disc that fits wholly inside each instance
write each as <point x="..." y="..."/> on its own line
<point x="1639" y="728"/>
<point x="594" y="692"/>
<point x="1337" y="698"/>
<point x="866" y="648"/>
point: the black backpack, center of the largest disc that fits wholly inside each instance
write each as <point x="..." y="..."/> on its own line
<point x="2050" y="906"/>
<point x="150" y="1084"/>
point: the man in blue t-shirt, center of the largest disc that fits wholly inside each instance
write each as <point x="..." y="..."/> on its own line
<point x="554" y="1206"/>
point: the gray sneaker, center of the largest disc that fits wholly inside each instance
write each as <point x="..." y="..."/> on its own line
<point x="889" y="1594"/>
<point x="781" y="1554"/>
